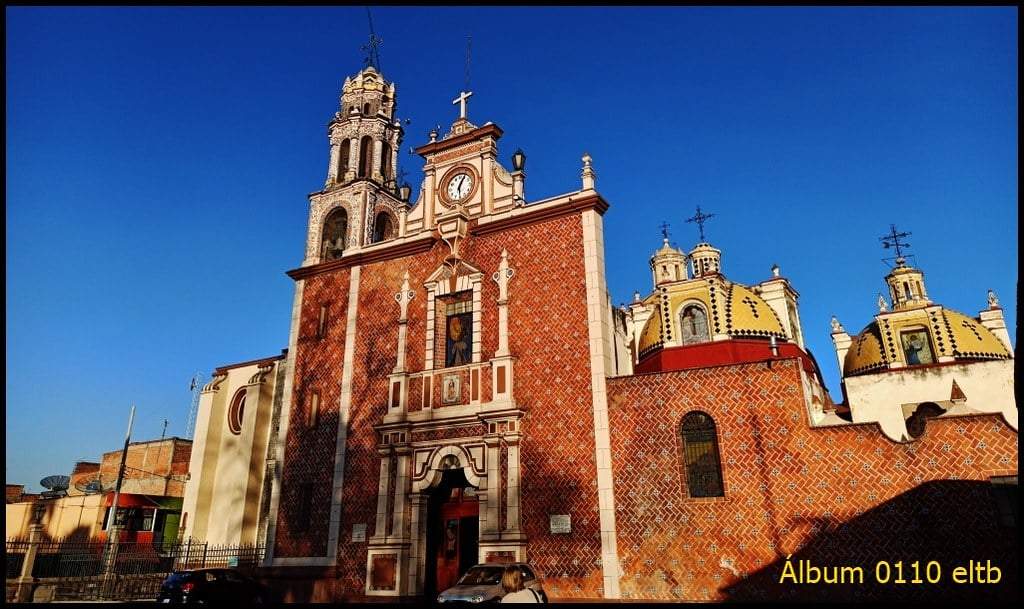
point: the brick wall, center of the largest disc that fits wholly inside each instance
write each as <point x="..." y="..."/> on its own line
<point x="548" y="335"/>
<point x="837" y="496"/>
<point x="151" y="468"/>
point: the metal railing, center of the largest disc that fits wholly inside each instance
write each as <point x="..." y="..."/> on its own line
<point x="88" y="570"/>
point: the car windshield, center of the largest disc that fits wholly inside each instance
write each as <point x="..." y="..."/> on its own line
<point x="480" y="576"/>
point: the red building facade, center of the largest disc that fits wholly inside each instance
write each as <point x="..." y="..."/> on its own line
<point x="460" y="390"/>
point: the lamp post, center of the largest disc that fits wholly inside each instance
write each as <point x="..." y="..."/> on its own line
<point x="518" y="159"/>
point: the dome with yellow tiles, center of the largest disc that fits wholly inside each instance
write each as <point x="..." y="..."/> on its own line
<point x="705" y="309"/>
<point x="921" y="336"/>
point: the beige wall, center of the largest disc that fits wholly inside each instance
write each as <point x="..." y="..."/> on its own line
<point x="881" y="396"/>
<point x="65" y="517"/>
<point x="222" y="497"/>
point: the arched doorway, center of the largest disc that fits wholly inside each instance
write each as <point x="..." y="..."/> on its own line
<point x="453" y="529"/>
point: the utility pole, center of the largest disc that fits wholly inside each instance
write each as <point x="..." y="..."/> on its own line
<point x="113" y="527"/>
<point x="120" y="470"/>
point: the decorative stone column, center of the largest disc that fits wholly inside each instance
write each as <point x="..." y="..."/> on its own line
<point x="490" y="506"/>
<point x="332" y="169"/>
<point x="512" y="519"/>
<point x="430" y="179"/>
<point x="353" y="159"/>
<point x="397" y="381"/>
<point x="380" y="527"/>
<point x="417" y="547"/>
<point x="377" y="170"/>
<point x="501" y="363"/>
<point x="402" y="453"/>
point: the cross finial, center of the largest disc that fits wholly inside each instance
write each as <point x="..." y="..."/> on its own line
<point x="372" y="45"/>
<point x="700" y="218"/>
<point x="461" y="100"/>
<point x="664" y="230"/>
<point x="893" y="240"/>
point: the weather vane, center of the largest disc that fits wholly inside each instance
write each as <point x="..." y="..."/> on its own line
<point x="664" y="229"/>
<point x="700" y="218"/>
<point x="371" y="47"/>
<point x="892" y="240"/>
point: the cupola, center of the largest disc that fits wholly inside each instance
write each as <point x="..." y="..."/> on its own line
<point x="668" y="264"/>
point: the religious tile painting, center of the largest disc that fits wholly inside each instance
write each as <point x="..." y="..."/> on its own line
<point x="916" y="348"/>
<point x="458" y="333"/>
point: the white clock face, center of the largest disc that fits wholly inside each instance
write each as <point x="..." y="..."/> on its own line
<point x="459" y="186"/>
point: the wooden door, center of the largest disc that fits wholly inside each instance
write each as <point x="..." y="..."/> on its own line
<point x="458" y="549"/>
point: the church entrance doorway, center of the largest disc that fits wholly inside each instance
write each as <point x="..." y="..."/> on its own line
<point x="453" y="532"/>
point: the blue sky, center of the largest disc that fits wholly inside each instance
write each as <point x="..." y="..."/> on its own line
<point x="158" y="161"/>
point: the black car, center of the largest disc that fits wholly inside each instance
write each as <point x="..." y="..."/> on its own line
<point x="212" y="586"/>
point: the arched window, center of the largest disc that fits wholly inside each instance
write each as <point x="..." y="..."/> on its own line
<point x="343" y="155"/>
<point x="385" y="161"/>
<point x="693" y="325"/>
<point x="335" y="235"/>
<point x="383" y="228"/>
<point x="365" y="156"/>
<point x="916" y="422"/>
<point x="236" y="411"/>
<point x="366" y="109"/>
<point x="700" y="452"/>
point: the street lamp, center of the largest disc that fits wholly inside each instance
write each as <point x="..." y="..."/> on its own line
<point x="518" y="159"/>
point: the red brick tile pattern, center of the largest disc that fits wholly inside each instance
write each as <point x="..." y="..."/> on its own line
<point x="786" y="484"/>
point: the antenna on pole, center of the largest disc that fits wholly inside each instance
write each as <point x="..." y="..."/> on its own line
<point x="469" y="47"/>
<point x="163" y="432"/>
<point x="196" y="388"/>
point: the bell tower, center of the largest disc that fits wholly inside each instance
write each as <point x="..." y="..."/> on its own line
<point x="364" y="133"/>
<point x="362" y="202"/>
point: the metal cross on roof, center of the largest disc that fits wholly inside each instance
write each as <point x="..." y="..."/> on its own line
<point x="371" y="47"/>
<point x="700" y="218"/>
<point x="892" y="240"/>
<point x="664" y="230"/>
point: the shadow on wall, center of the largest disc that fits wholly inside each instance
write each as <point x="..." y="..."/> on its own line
<point x="951" y="522"/>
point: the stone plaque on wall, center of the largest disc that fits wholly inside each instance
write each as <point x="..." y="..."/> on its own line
<point x="359" y="532"/>
<point x="561" y="523"/>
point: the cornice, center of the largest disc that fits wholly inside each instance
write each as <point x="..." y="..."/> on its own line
<point x="458" y="140"/>
<point x="592" y="201"/>
<point x="399" y="250"/>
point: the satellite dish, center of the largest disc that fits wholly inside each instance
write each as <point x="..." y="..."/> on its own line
<point x="56" y="483"/>
<point x="91" y="485"/>
<point x="57" y="486"/>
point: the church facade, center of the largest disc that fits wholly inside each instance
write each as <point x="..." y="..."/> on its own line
<point x="458" y="389"/>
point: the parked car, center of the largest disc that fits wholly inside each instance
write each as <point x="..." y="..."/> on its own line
<point x="212" y="586"/>
<point x="482" y="584"/>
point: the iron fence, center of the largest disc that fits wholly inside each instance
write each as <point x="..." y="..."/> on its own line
<point x="95" y="570"/>
<point x="15" y="550"/>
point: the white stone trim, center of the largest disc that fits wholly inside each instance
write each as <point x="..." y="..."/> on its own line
<point x="600" y="336"/>
<point x="344" y="403"/>
<point x="282" y="436"/>
<point x="512" y="523"/>
<point x="433" y="476"/>
<point x="401" y="480"/>
<point x="384" y="480"/>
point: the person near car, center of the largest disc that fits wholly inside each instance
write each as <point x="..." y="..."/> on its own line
<point x="515" y="591"/>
